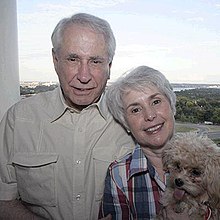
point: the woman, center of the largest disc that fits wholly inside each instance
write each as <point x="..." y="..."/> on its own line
<point x="144" y="102"/>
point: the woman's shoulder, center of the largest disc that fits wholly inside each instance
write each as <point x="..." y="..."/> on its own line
<point x="126" y="160"/>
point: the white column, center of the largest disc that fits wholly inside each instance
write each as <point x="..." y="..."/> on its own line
<point x="9" y="75"/>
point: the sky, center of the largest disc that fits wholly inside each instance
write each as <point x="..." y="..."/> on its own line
<point x="180" y="38"/>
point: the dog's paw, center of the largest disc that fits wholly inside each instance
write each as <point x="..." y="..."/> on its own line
<point x="180" y="207"/>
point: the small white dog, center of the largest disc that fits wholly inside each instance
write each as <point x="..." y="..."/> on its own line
<point x="193" y="163"/>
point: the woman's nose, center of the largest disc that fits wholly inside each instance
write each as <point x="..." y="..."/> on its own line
<point x="149" y="114"/>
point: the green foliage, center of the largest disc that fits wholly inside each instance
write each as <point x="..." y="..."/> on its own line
<point x="198" y="105"/>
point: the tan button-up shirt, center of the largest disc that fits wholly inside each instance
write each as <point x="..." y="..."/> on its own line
<point x="55" y="159"/>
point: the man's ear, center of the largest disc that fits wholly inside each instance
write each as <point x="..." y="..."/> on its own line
<point x="55" y="60"/>
<point x="109" y="71"/>
<point x="54" y="55"/>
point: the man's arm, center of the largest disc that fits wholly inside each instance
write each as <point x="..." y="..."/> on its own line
<point x="13" y="209"/>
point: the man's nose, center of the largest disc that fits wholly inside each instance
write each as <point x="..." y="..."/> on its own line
<point x="84" y="74"/>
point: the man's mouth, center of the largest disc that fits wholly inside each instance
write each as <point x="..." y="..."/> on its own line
<point x="82" y="91"/>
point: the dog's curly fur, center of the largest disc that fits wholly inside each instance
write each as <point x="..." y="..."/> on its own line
<point x="193" y="163"/>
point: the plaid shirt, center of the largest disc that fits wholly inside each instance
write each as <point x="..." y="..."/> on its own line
<point x="132" y="188"/>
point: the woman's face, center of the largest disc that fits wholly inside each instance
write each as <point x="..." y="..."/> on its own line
<point x="149" y="117"/>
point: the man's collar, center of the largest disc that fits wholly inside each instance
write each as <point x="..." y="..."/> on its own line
<point x="60" y="106"/>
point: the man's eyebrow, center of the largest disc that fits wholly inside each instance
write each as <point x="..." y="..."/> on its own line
<point x="73" y="55"/>
<point x="96" y="58"/>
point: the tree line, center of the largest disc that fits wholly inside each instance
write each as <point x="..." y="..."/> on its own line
<point x="193" y="105"/>
<point x="198" y="105"/>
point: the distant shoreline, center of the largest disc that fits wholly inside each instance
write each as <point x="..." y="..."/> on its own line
<point x="177" y="87"/>
<point x="185" y="86"/>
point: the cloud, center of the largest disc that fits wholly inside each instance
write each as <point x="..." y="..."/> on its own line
<point x="47" y="13"/>
<point x="78" y="5"/>
<point x="197" y="19"/>
<point x="96" y="3"/>
<point x="183" y="45"/>
<point x="191" y="12"/>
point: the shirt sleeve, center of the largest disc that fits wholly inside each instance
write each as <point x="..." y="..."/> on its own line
<point x="114" y="200"/>
<point x="8" y="185"/>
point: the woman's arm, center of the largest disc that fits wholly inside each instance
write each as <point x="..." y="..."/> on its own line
<point x="114" y="201"/>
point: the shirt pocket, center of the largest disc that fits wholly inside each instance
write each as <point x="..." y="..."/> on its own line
<point x="36" y="177"/>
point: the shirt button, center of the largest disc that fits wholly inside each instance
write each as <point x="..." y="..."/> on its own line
<point x="78" y="162"/>
<point x="71" y="110"/>
<point x="78" y="197"/>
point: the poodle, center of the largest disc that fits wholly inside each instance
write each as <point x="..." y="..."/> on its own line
<point x="193" y="164"/>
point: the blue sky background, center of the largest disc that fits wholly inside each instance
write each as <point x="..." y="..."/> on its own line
<point x="181" y="38"/>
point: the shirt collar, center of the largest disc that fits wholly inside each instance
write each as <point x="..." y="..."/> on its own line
<point x="60" y="106"/>
<point x="102" y="107"/>
<point x="56" y="107"/>
<point x="139" y="162"/>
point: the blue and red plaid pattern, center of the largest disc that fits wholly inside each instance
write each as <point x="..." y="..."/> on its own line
<point x="132" y="189"/>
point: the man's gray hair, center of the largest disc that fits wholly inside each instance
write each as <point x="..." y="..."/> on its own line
<point x="86" y="20"/>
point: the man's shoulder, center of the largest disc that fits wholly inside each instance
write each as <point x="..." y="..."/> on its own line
<point x="41" y="102"/>
<point x="40" y="98"/>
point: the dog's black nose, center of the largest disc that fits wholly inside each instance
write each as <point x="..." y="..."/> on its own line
<point x="179" y="182"/>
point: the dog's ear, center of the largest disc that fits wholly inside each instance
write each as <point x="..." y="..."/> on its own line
<point x="167" y="157"/>
<point x="212" y="177"/>
<point x="172" y="150"/>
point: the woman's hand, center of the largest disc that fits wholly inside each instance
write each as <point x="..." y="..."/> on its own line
<point x="169" y="214"/>
<point x="108" y="217"/>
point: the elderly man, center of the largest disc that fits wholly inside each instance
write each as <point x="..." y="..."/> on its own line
<point x="55" y="147"/>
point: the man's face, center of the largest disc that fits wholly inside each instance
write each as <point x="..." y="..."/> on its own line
<point x="82" y="65"/>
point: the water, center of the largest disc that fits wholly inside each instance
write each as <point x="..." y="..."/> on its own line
<point x="180" y="87"/>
